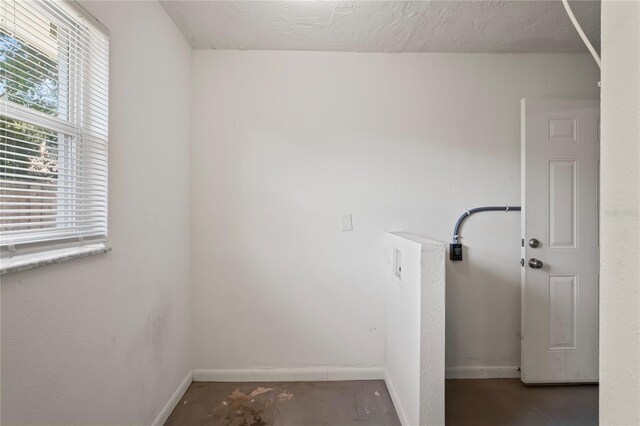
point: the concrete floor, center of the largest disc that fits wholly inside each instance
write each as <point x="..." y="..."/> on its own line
<point x="497" y="402"/>
<point x="363" y="403"/>
<point x="492" y="402"/>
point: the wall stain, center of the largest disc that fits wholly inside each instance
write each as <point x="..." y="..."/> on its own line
<point x="157" y="328"/>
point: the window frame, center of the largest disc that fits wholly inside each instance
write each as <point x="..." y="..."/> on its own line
<point x="74" y="74"/>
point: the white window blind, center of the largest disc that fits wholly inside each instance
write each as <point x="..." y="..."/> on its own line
<point x="53" y="126"/>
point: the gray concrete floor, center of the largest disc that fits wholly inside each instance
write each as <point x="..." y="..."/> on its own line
<point x="495" y="402"/>
<point x="492" y="402"/>
<point x="365" y="402"/>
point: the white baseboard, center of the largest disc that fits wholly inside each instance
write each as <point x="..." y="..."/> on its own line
<point x="173" y="401"/>
<point x="485" y="372"/>
<point x="396" y="400"/>
<point x="289" y="374"/>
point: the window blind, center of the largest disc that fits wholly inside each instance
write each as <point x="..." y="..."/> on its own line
<point x="53" y="126"/>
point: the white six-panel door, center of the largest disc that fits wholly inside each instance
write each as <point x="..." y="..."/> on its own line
<point x="560" y="173"/>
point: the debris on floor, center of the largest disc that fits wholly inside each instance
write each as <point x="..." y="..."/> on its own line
<point x="242" y="408"/>
<point x="360" y="403"/>
<point x="284" y="396"/>
<point x="237" y="394"/>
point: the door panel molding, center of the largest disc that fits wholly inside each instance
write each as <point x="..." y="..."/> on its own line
<point x="562" y="196"/>
<point x="563" y="311"/>
<point x="562" y="129"/>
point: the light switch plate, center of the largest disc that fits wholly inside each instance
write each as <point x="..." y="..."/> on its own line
<point x="346" y="223"/>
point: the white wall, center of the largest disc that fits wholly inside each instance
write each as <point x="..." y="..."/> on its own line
<point x="415" y="329"/>
<point x="285" y="141"/>
<point x="106" y="339"/>
<point x="620" y="269"/>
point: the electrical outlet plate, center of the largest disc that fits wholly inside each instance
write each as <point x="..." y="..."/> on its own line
<point x="397" y="263"/>
<point x="455" y="252"/>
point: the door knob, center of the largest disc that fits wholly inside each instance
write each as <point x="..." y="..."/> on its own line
<point x="534" y="243"/>
<point x="535" y="263"/>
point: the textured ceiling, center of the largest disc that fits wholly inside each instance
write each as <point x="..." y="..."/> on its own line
<point x="386" y="26"/>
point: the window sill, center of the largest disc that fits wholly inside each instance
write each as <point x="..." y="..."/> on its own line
<point x="23" y="262"/>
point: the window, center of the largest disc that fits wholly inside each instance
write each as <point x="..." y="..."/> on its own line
<point x="53" y="127"/>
